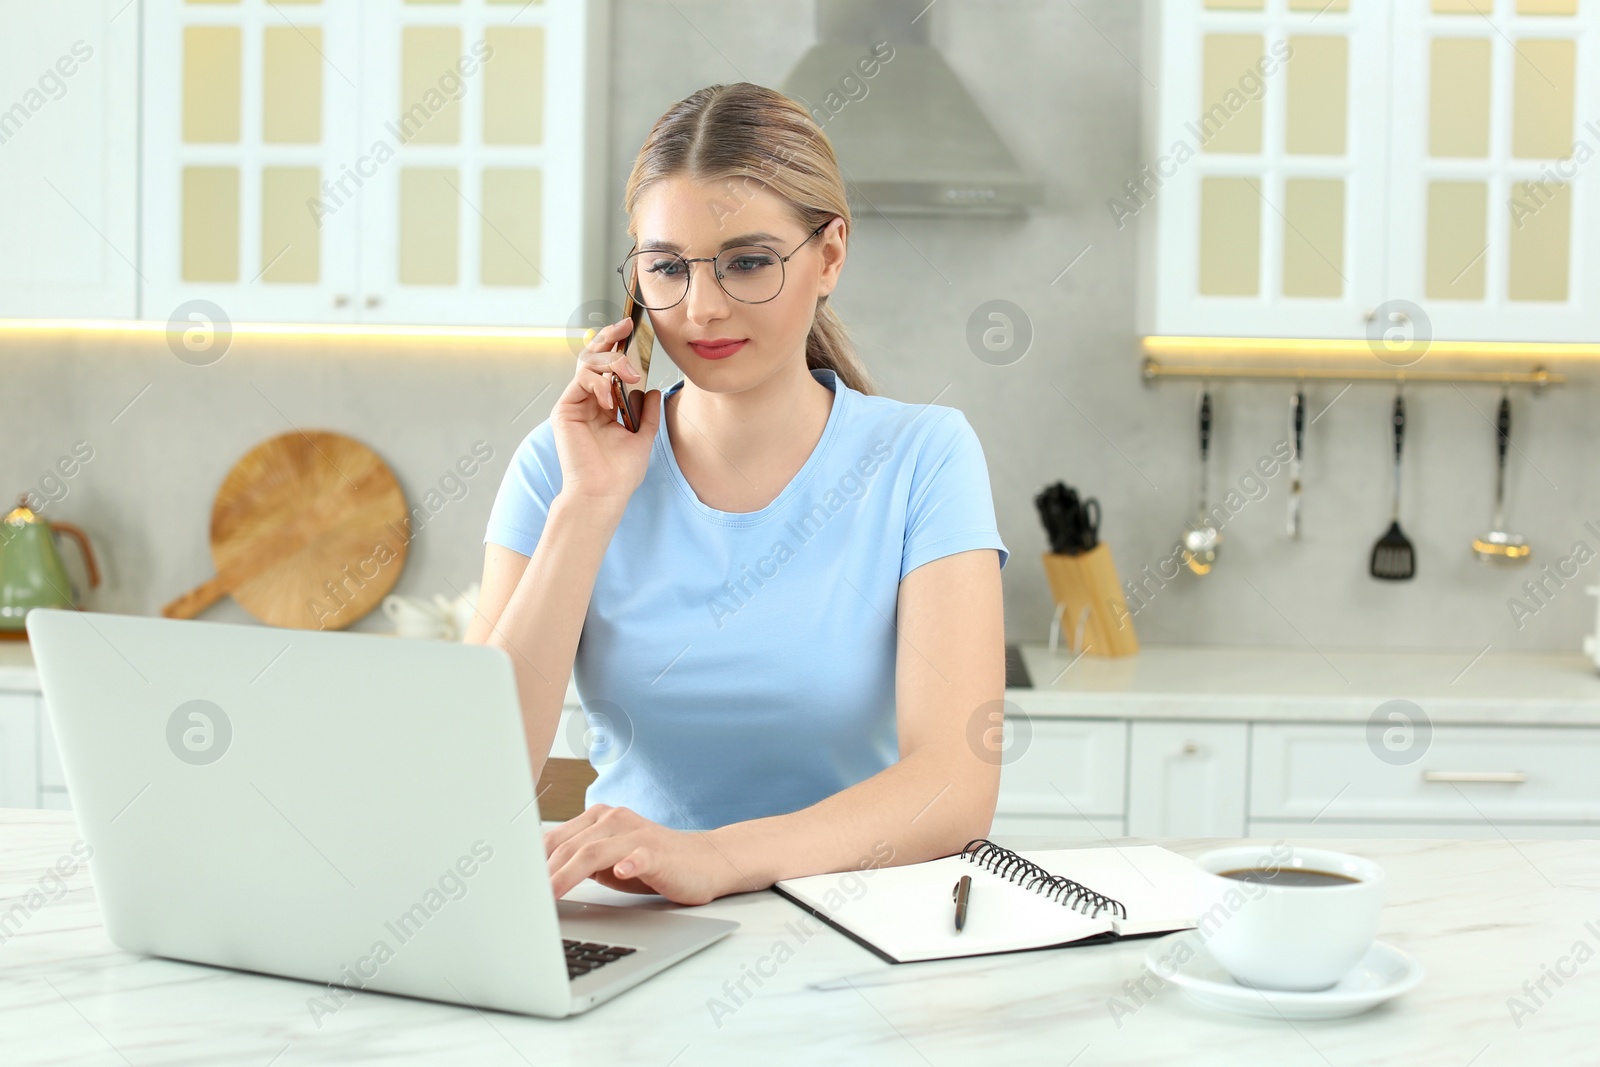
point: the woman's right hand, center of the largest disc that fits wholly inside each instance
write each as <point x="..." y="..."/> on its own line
<point x="600" y="458"/>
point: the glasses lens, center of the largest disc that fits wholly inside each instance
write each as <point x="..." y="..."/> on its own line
<point x="663" y="277"/>
<point x="753" y="273"/>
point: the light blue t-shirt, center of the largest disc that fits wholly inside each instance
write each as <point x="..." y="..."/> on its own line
<point x="738" y="665"/>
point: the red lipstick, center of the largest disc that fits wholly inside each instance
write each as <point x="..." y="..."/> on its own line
<point x="717" y="347"/>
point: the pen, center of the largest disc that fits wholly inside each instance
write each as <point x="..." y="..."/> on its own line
<point x="961" y="894"/>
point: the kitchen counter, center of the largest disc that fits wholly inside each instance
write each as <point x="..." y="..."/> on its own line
<point x="1252" y="684"/>
<point x="1286" y="684"/>
<point x="1484" y="917"/>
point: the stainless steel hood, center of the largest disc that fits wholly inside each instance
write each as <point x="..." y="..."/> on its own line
<point x="910" y="139"/>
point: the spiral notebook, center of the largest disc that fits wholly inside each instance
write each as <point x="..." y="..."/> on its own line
<point x="1018" y="901"/>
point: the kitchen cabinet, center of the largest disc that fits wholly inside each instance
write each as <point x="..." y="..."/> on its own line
<point x="373" y="162"/>
<point x="1296" y="830"/>
<point x="1058" y="826"/>
<point x="1359" y="169"/>
<point x="19" y="750"/>
<point x="1477" y="774"/>
<point x="68" y="145"/>
<point x="1187" y="779"/>
<point x="1492" y="188"/>
<point x="1058" y="774"/>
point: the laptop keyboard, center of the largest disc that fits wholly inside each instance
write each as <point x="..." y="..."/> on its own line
<point x="585" y="956"/>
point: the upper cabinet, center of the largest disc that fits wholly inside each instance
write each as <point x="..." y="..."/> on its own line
<point x="381" y="161"/>
<point x="68" y="142"/>
<point x="1493" y="202"/>
<point x="1312" y="161"/>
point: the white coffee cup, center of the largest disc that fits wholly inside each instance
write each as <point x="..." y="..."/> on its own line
<point x="1275" y="936"/>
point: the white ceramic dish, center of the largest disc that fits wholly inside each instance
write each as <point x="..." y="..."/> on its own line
<point x="1384" y="973"/>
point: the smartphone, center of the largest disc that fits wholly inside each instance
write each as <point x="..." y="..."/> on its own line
<point x="628" y="399"/>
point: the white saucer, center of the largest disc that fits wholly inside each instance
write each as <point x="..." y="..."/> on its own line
<point x="1383" y="973"/>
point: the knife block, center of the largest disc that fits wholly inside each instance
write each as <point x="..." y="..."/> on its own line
<point x="1085" y="586"/>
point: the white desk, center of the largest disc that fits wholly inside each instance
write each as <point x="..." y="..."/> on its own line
<point x="1483" y="916"/>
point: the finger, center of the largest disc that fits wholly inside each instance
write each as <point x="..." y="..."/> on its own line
<point x="557" y="836"/>
<point x="636" y="864"/>
<point x="598" y="854"/>
<point x="599" y="343"/>
<point x="650" y="418"/>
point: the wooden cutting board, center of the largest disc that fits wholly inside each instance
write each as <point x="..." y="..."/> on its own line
<point x="309" y="530"/>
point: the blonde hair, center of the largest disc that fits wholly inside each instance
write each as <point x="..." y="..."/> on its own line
<point x="743" y="133"/>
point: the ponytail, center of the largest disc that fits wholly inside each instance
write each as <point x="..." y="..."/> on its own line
<point x="828" y="347"/>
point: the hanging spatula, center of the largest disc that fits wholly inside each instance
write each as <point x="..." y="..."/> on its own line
<point x="1393" y="558"/>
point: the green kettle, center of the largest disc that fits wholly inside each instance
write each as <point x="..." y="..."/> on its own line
<point x="31" y="571"/>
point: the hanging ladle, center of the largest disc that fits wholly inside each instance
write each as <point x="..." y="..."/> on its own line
<point x="1201" y="541"/>
<point x="1498" y="546"/>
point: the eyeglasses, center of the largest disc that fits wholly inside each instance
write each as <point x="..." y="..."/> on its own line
<point x="750" y="274"/>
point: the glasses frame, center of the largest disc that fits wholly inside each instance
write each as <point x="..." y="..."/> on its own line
<point x="688" y="266"/>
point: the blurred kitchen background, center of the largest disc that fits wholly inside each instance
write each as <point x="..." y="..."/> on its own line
<point x="94" y="212"/>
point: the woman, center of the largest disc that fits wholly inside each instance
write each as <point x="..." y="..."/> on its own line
<point x="789" y="596"/>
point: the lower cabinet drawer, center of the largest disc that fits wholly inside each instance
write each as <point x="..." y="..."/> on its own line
<point x="50" y="774"/>
<point x="1074" y="768"/>
<point x="1291" y="830"/>
<point x="1095" y="830"/>
<point x="1394" y="770"/>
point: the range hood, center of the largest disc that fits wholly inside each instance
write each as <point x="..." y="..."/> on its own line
<point x="910" y="138"/>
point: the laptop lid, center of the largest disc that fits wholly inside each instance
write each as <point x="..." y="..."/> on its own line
<point x="353" y="809"/>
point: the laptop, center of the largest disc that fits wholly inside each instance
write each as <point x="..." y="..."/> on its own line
<point x="353" y="810"/>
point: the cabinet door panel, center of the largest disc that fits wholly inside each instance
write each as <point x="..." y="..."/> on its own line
<point x="19" y="751"/>
<point x="1187" y="779"/>
<point x="485" y="211"/>
<point x="252" y="171"/>
<point x="1266" y="175"/>
<point x="1074" y="768"/>
<point x="1494" y="127"/>
<point x="51" y="776"/>
<point x="68" y="134"/>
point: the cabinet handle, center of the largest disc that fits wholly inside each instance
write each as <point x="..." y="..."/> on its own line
<point x="373" y="300"/>
<point x="1499" y="777"/>
<point x="340" y="300"/>
<point x="1190" y="748"/>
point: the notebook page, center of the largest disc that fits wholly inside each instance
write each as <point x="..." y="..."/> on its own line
<point x="1155" y="885"/>
<point x="907" y="911"/>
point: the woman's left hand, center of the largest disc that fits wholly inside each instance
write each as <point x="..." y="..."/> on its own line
<point x="622" y="849"/>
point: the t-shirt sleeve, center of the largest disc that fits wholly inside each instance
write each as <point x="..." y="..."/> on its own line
<point x="951" y="507"/>
<point x="530" y="485"/>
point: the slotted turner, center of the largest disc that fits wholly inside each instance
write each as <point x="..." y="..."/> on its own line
<point x="1393" y="558"/>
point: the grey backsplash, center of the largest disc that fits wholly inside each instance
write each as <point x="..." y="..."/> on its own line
<point x="1059" y="81"/>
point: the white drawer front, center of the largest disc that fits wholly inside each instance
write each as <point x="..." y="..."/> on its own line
<point x="1291" y="830"/>
<point x="50" y="774"/>
<point x="1068" y="767"/>
<point x="1464" y="774"/>
<point x="1090" y="830"/>
<point x="19" y="751"/>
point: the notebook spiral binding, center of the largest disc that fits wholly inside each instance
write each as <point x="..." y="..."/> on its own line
<point x="1014" y="868"/>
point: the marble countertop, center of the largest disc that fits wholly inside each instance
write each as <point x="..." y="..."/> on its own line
<point x="1253" y="684"/>
<point x="1200" y="682"/>
<point x="1484" y="917"/>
